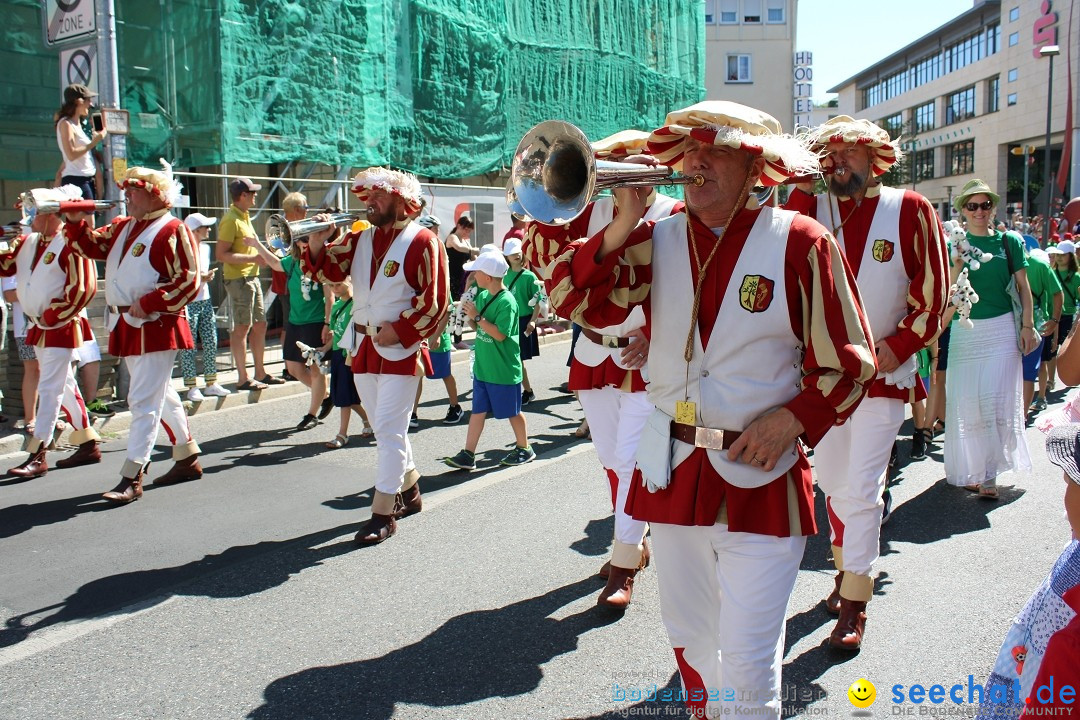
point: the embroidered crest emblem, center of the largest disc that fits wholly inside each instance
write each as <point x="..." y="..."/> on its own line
<point x="390" y="268"/>
<point x="48" y="258"/>
<point x="756" y="293"/>
<point x="883" y="250"/>
<point x="137" y="250"/>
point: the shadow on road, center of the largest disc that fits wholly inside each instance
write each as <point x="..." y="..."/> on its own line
<point x="469" y="658"/>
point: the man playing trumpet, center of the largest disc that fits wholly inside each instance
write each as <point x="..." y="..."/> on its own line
<point x="400" y="292"/>
<point x="757" y="340"/>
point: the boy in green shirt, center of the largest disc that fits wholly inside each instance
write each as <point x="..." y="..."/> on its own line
<point x="525" y="287"/>
<point x="497" y="362"/>
<point x="342" y="386"/>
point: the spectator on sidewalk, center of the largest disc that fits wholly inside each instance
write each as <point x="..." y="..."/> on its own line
<point x="459" y="251"/>
<point x="240" y="269"/>
<point x="497" y="363"/>
<point x="343" y="392"/>
<point x="29" y="361"/>
<point x="201" y="317"/>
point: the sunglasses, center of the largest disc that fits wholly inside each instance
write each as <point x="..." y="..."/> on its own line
<point x="972" y="207"/>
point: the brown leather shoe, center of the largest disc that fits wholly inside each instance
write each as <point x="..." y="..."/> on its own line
<point x="832" y="602"/>
<point x="605" y="570"/>
<point x="377" y="529"/>
<point x="129" y="490"/>
<point x="619" y="589"/>
<point x="181" y="471"/>
<point x="87" y="454"/>
<point x="646" y="558"/>
<point x="408" y="502"/>
<point x="34" y="467"/>
<point x="849" y="630"/>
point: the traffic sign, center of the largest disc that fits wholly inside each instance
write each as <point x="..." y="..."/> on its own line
<point x="78" y="66"/>
<point x="69" y="20"/>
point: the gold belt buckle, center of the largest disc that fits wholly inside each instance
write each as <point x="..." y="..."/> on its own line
<point x="611" y="341"/>
<point x="708" y="438"/>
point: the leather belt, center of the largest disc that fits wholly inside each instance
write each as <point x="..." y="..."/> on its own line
<point x="608" y="341"/>
<point x="371" y="330"/>
<point x="122" y="308"/>
<point x="703" y="437"/>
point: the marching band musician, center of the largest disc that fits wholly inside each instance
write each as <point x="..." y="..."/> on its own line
<point x="54" y="285"/>
<point x="757" y="339"/>
<point x="606" y="371"/>
<point x="151" y="274"/>
<point x="892" y="242"/>
<point x="400" y="293"/>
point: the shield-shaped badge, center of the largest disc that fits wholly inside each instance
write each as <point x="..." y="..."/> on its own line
<point x="756" y="293"/>
<point x="48" y="258"/>
<point x="883" y="250"/>
<point x="390" y="268"/>
<point x="137" y="249"/>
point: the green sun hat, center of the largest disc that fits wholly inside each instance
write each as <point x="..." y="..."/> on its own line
<point x="974" y="187"/>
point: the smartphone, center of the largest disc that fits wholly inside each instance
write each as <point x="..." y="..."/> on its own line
<point x="98" y="122"/>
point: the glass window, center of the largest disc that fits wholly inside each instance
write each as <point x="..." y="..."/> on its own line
<point x="960" y="106"/>
<point x="729" y="12"/>
<point x="1014" y="38"/>
<point x="924" y="118"/>
<point x="751" y="11"/>
<point x="738" y="69"/>
<point x="1012" y="74"/>
<point x="710" y="12"/>
<point x="993" y="88"/>
<point x="775" y="10"/>
<point x="923" y="165"/>
<point x="960" y="158"/>
<point x="1014" y="14"/>
<point x="893" y="124"/>
<point x="1011" y="99"/>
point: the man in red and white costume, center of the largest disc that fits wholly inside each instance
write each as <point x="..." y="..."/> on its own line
<point x="401" y="288"/>
<point x="606" y="372"/>
<point x="893" y="243"/>
<point x="757" y="339"/>
<point x="54" y="286"/>
<point x="151" y="274"/>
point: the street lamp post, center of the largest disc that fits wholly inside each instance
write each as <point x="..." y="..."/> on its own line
<point x="1049" y="51"/>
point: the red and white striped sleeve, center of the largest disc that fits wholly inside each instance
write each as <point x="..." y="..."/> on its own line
<point x="427" y="273"/>
<point x="926" y="262"/>
<point x="176" y="258"/>
<point x="334" y="263"/>
<point x="79" y="288"/>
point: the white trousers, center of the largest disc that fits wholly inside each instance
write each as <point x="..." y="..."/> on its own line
<point x="851" y="463"/>
<point x="58" y="392"/>
<point x="389" y="402"/>
<point x="723" y="599"/>
<point x="616" y="420"/>
<point x="152" y="400"/>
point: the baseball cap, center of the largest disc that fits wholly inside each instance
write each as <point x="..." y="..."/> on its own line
<point x="1066" y="246"/>
<point x="1062" y="447"/>
<point x="194" y="221"/>
<point x="76" y="92"/>
<point x="429" y="221"/>
<point x="243" y="184"/>
<point x="1054" y="250"/>
<point x="512" y="246"/>
<point x="488" y="262"/>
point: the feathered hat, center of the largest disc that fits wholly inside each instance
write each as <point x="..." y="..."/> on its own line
<point x="621" y="144"/>
<point x="157" y="182"/>
<point x="399" y="183"/>
<point x="845" y="129"/>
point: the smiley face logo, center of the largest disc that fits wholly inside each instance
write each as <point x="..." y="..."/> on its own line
<point x="862" y="693"/>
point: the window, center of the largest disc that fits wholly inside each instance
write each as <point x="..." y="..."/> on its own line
<point x="1014" y="38"/>
<point x="960" y="158"/>
<point x="1014" y="14"/>
<point x="710" y="12"/>
<point x="993" y="88"/>
<point x="738" y="69"/>
<point x="1011" y="99"/>
<point x="751" y="11"/>
<point x="774" y="10"/>
<point x="924" y="118"/>
<point x="894" y="124"/>
<point x="729" y="12"/>
<point x="923" y="164"/>
<point x="960" y="106"/>
<point x="1012" y="74"/>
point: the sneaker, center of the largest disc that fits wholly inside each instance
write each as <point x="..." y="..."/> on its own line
<point x="100" y="409"/>
<point x="1040" y="404"/>
<point x="453" y="415"/>
<point x="886" y="513"/>
<point x="308" y="421"/>
<point x="326" y="408"/>
<point x="918" y="444"/>
<point x="194" y="395"/>
<point x="215" y="390"/>
<point x="414" y="422"/>
<point x="527" y="397"/>
<point x="464" y="460"/>
<point x="519" y="456"/>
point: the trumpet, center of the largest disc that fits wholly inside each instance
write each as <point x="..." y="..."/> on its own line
<point x="281" y="234"/>
<point x="10" y="232"/>
<point x="34" y="204"/>
<point x="554" y="174"/>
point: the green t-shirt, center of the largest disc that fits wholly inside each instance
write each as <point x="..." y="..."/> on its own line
<point x="306" y="301"/>
<point x="1070" y="284"/>
<point x="992" y="278"/>
<point x="497" y="362"/>
<point x="1044" y="285"/>
<point x="441" y="344"/>
<point x="340" y="317"/>
<point x="524" y="285"/>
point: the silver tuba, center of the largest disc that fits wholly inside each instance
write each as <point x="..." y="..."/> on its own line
<point x="554" y="174"/>
<point x="281" y="234"/>
<point x="33" y="203"/>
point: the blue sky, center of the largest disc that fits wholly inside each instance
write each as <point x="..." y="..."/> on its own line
<point x="848" y="35"/>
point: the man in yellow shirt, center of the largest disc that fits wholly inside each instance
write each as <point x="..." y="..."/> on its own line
<point x="240" y="270"/>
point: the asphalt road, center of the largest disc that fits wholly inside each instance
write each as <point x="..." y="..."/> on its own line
<point x="242" y="594"/>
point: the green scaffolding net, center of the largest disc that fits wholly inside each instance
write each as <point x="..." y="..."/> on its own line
<point x="444" y="88"/>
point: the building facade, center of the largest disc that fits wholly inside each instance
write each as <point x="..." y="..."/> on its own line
<point x="965" y="95"/>
<point x="749" y="55"/>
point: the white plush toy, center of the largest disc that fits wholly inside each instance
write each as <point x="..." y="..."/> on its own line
<point x="962" y="296"/>
<point x="962" y="249"/>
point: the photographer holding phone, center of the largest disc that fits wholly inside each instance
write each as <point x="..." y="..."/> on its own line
<point x="79" y="168"/>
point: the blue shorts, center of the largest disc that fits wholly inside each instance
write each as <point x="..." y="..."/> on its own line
<point x="502" y="401"/>
<point x="1032" y="361"/>
<point x="440" y="365"/>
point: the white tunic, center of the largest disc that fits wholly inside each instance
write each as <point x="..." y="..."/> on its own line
<point x="39" y="286"/>
<point x="382" y="300"/>
<point x="129" y="275"/>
